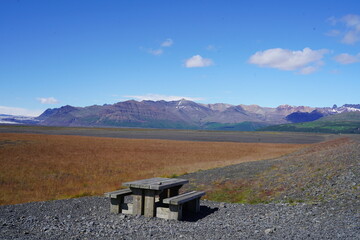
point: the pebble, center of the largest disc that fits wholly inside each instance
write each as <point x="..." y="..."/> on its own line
<point x="270" y="230"/>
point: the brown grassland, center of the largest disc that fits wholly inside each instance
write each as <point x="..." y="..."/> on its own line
<point x="36" y="167"/>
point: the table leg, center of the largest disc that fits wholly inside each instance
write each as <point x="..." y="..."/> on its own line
<point x="149" y="208"/>
<point x="138" y="201"/>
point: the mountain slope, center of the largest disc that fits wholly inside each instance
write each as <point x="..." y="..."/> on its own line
<point x="297" y="117"/>
<point x="347" y="122"/>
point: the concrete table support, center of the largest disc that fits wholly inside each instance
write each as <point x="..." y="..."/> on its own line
<point x="117" y="199"/>
<point x="145" y="192"/>
<point x="149" y="206"/>
<point x="138" y="201"/>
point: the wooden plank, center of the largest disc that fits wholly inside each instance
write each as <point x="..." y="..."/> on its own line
<point x="139" y="183"/>
<point x="169" y="184"/>
<point x="115" y="194"/>
<point x="156" y="183"/>
<point x="180" y="199"/>
<point x="167" y="200"/>
<point x="162" y="182"/>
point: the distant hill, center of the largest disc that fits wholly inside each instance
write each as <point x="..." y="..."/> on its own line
<point x="347" y="122"/>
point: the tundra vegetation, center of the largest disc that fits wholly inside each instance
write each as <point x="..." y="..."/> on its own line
<point x="36" y="167"/>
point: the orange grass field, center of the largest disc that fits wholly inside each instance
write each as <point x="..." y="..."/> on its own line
<point x="35" y="167"/>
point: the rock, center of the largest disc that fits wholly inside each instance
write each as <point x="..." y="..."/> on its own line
<point x="223" y="205"/>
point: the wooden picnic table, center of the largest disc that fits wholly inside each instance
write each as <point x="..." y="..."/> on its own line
<point x="145" y="191"/>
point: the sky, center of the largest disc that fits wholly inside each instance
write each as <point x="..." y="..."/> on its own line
<point x="269" y="53"/>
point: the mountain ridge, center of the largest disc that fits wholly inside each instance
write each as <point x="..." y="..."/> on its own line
<point x="182" y="114"/>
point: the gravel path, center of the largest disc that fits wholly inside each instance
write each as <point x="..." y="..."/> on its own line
<point x="89" y="218"/>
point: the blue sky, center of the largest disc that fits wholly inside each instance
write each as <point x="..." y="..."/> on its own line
<point x="81" y="53"/>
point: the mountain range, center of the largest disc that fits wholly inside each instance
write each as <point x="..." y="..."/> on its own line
<point x="181" y="114"/>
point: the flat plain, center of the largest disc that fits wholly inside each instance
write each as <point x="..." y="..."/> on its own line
<point x="171" y="134"/>
<point x="35" y="167"/>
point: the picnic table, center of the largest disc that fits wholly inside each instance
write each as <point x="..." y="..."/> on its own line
<point x="145" y="191"/>
<point x="155" y="197"/>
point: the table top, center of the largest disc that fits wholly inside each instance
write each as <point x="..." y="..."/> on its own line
<point x="156" y="183"/>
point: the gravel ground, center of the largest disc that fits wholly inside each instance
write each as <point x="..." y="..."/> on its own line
<point x="334" y="218"/>
<point x="89" y="218"/>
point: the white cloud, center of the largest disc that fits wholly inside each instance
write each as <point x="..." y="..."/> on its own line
<point x="351" y="33"/>
<point x="305" y="61"/>
<point x="352" y="21"/>
<point x="49" y="100"/>
<point x="198" y="61"/>
<point x="346" y="58"/>
<point x="155" y="52"/>
<point x="19" y="111"/>
<point x="167" y="43"/>
<point x="157" y="97"/>
<point x="351" y="37"/>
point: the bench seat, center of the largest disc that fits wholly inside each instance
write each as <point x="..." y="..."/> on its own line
<point x="117" y="204"/>
<point x="189" y="201"/>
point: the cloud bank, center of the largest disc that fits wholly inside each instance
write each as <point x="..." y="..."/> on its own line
<point x="49" y="100"/>
<point x="304" y="61"/>
<point x="158" y="97"/>
<point x="19" y="111"/>
<point x="198" y="61"/>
